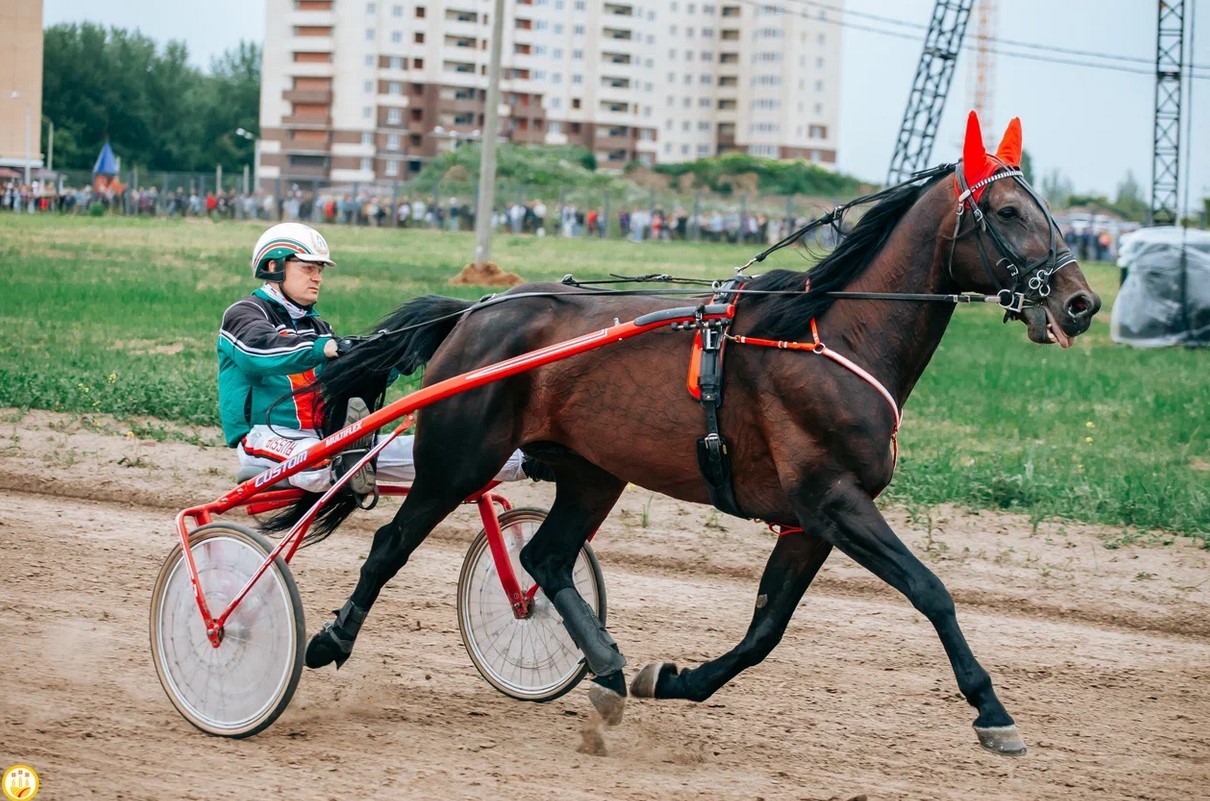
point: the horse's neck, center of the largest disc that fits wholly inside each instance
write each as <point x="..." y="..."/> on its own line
<point x="894" y="339"/>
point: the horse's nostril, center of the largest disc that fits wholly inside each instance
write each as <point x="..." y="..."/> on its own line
<point x="1082" y="305"/>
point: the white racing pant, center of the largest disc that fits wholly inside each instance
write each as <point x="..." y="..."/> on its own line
<point x="266" y="447"/>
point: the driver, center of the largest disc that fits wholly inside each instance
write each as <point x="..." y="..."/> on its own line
<point x="271" y="343"/>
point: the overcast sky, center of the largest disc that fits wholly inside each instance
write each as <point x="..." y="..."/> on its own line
<point x="1092" y="123"/>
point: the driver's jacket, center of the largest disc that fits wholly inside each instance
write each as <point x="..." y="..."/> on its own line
<point x="263" y="355"/>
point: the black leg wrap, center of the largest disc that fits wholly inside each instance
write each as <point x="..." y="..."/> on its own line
<point x="334" y="642"/>
<point x="600" y="649"/>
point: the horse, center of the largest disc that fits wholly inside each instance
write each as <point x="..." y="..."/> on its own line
<point x="811" y="440"/>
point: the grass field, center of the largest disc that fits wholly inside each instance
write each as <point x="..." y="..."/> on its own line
<point x="120" y="316"/>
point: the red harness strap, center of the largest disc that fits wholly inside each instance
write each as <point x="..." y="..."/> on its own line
<point x="693" y="381"/>
<point x="816" y="346"/>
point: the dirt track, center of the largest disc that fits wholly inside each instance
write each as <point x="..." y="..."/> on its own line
<point x="1103" y="657"/>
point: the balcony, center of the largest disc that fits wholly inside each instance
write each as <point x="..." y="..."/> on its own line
<point x="308" y="120"/>
<point x="321" y="97"/>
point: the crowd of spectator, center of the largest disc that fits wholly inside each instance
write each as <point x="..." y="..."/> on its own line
<point x="531" y="217"/>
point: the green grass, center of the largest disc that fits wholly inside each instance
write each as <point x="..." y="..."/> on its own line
<point x="119" y="316"/>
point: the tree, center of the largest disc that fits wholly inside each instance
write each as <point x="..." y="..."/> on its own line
<point x="155" y="109"/>
<point x="1027" y="166"/>
<point x="1056" y="188"/>
<point x="1130" y="202"/>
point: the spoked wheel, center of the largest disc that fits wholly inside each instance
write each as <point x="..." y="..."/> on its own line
<point x="241" y="687"/>
<point x="533" y="659"/>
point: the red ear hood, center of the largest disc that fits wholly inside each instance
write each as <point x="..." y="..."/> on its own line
<point x="977" y="164"/>
<point x="1010" y="146"/>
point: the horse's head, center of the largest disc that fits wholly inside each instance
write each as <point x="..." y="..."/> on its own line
<point x="1007" y="243"/>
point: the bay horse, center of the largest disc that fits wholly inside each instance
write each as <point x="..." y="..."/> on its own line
<point x="811" y="441"/>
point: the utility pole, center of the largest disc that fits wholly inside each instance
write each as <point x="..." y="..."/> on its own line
<point x="487" y="156"/>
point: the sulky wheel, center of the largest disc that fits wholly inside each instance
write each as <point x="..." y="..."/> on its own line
<point x="532" y="659"/>
<point x="241" y="687"/>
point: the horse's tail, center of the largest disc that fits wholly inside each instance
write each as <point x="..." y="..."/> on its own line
<point x="404" y="342"/>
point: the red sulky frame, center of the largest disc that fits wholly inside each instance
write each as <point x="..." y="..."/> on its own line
<point x="259" y="487"/>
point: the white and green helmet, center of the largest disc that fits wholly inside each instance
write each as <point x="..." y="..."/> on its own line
<point x="286" y="240"/>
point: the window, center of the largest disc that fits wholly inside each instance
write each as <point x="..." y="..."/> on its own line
<point x="396" y="11"/>
<point x="369" y="61"/>
<point x="392" y="141"/>
<point x="395" y="88"/>
<point x="392" y="168"/>
<point x="394" y="116"/>
<point x="367" y="138"/>
<point x="575" y="102"/>
<point x="396" y="63"/>
<point x="418" y="63"/>
<point x="577" y="55"/>
<point x="367" y="165"/>
<point x="817" y="132"/>
<point x="371" y="8"/>
<point x="578" y="30"/>
<point x="369" y="34"/>
<point x="419" y="12"/>
<point x="577" y="79"/>
<point x="556" y="53"/>
<point x="555" y="127"/>
<point x="367" y="112"/>
<point x="418" y="37"/>
<point x="369" y="87"/>
<point x="396" y="36"/>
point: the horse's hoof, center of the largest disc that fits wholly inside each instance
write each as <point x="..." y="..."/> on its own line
<point x="648" y="680"/>
<point x="1005" y="740"/>
<point x="609" y="703"/>
<point x="327" y="647"/>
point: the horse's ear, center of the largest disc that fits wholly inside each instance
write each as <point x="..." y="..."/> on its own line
<point x="974" y="153"/>
<point x="1010" y="146"/>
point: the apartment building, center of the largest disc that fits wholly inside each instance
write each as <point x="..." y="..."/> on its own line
<point x="21" y="86"/>
<point x="356" y="91"/>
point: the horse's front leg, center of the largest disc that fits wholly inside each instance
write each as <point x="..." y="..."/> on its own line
<point x="853" y="524"/>
<point x="795" y="560"/>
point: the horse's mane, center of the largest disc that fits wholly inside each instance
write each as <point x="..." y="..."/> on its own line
<point x="786" y="317"/>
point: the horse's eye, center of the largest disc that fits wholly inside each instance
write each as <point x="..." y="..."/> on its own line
<point x="1008" y="213"/>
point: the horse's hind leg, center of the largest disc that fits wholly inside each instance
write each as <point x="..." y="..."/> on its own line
<point x="426" y="505"/>
<point x="795" y="560"/>
<point x="585" y="494"/>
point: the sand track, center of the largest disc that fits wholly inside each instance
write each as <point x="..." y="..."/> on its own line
<point x="1102" y="655"/>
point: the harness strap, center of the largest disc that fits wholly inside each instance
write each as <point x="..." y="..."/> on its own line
<point x="816" y="346"/>
<point x="705" y="383"/>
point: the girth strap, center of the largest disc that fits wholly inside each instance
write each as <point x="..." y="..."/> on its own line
<point x="706" y="384"/>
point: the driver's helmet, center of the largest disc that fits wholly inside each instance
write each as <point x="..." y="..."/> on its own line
<point x="283" y="241"/>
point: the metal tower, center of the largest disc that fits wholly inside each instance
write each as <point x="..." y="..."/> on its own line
<point x="1166" y="159"/>
<point x="982" y="78"/>
<point x="914" y="146"/>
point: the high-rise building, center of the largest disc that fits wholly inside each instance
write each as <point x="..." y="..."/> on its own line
<point x="369" y="90"/>
<point x="21" y="84"/>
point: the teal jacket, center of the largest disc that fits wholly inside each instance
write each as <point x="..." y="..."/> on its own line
<point x="263" y="355"/>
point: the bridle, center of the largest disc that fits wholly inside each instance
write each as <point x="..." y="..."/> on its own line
<point x="1030" y="280"/>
